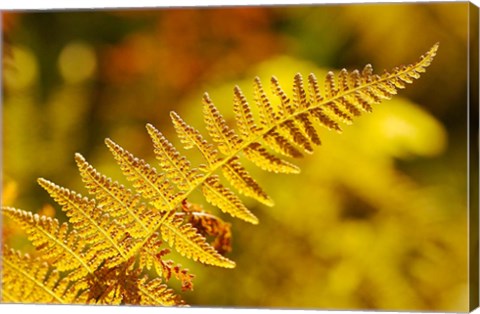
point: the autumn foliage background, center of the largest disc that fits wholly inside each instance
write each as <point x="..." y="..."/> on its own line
<point x="378" y="217"/>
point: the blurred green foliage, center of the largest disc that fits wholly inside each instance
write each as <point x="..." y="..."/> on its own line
<point x="378" y="217"/>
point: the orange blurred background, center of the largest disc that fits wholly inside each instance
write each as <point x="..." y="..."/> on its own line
<point x="378" y="217"/>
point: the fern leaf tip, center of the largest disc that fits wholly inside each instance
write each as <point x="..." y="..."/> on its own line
<point x="153" y="131"/>
<point x="150" y="127"/>
<point x="173" y="114"/>
<point x="43" y="182"/>
<point x="109" y="142"/>
<point x="206" y="98"/>
<point x="433" y="51"/>
<point x="79" y="157"/>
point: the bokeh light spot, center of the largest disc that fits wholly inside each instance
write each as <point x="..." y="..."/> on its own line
<point x="77" y="62"/>
<point x="23" y="70"/>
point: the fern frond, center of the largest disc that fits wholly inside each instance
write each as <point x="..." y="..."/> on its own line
<point x="118" y="235"/>
<point x="31" y="280"/>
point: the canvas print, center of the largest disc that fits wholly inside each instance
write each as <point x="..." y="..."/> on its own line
<point x="294" y="157"/>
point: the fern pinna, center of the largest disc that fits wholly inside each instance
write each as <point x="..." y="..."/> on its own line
<point x="112" y="250"/>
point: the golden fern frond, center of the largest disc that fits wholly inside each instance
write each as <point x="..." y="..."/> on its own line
<point x="31" y="280"/>
<point x="118" y="234"/>
<point x="287" y="129"/>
